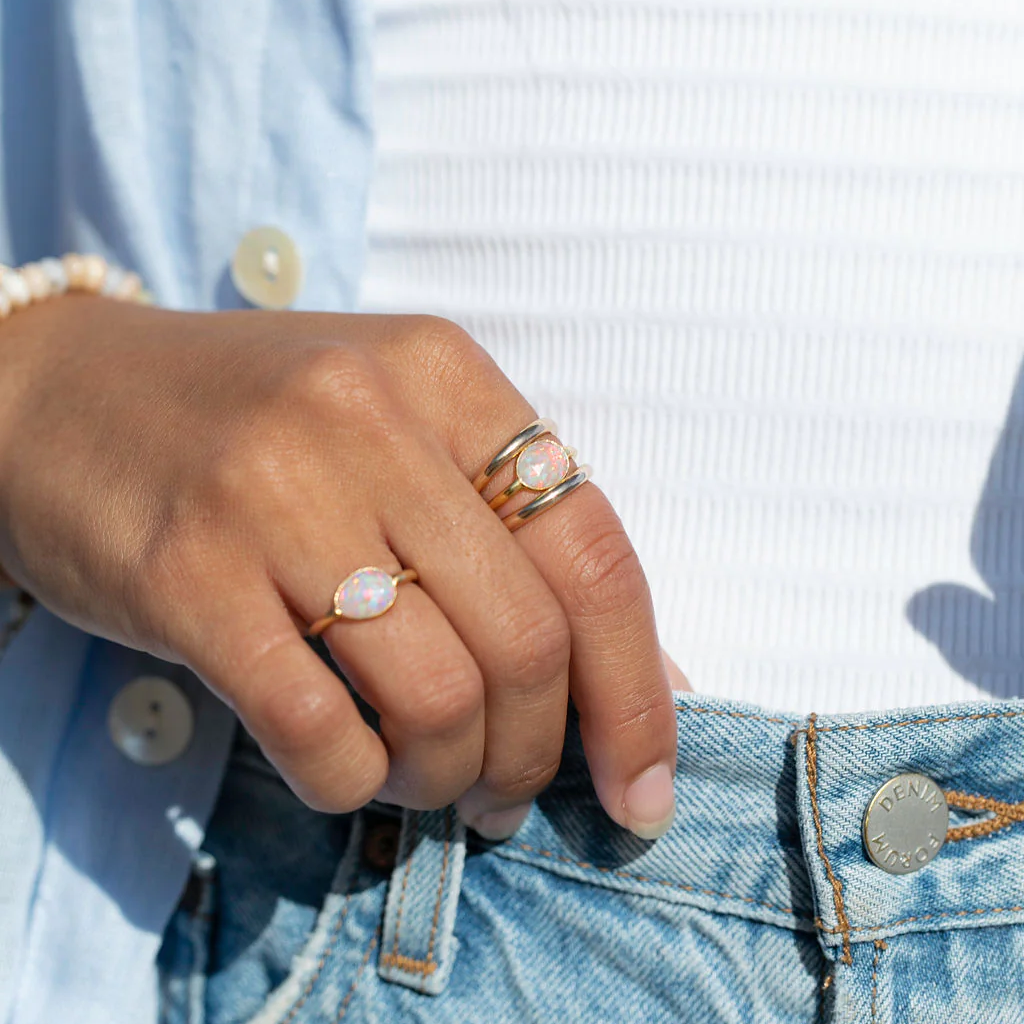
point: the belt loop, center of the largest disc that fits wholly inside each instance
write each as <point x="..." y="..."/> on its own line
<point x="418" y="943"/>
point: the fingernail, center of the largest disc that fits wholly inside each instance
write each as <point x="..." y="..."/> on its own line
<point x="501" y="824"/>
<point x="650" y="803"/>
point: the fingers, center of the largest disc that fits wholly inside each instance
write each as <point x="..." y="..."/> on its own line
<point x="250" y="653"/>
<point x="511" y="624"/>
<point x="618" y="677"/>
<point x="409" y="664"/>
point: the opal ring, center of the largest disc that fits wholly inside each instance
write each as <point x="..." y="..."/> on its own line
<point x="364" y="594"/>
<point x="540" y="465"/>
<point x="548" y="499"/>
<point x="529" y="433"/>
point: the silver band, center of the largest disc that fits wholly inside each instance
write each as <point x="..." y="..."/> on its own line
<point x="513" y="448"/>
<point x="577" y="478"/>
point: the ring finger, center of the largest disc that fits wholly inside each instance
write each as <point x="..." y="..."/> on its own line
<point x="410" y="665"/>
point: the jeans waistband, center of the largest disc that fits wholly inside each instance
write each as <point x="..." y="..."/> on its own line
<point x="769" y="820"/>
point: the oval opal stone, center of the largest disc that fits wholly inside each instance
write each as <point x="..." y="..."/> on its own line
<point x="542" y="464"/>
<point x="364" y="594"/>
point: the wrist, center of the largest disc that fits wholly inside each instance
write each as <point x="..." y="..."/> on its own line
<point x="30" y="314"/>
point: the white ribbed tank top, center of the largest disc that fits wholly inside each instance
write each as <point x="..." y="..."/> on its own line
<point x="764" y="264"/>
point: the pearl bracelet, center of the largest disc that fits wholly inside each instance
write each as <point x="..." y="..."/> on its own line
<point x="48" y="278"/>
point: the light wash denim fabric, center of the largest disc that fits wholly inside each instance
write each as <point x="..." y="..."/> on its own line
<point x="157" y="133"/>
<point x="759" y="906"/>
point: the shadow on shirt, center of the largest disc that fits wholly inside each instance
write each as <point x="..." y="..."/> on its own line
<point x="981" y="635"/>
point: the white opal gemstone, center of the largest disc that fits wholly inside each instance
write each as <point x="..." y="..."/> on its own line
<point x="542" y="464"/>
<point x="366" y="593"/>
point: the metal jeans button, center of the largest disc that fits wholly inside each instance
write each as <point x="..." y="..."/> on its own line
<point x="905" y="823"/>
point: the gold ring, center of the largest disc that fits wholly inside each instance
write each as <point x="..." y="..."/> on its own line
<point x="364" y="594"/>
<point x="577" y="478"/>
<point x="513" y="448"/>
<point x="540" y="465"/>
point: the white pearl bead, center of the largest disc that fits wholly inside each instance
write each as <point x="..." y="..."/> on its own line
<point x="56" y="274"/>
<point x="115" y="277"/>
<point x="94" y="273"/>
<point x="37" y="281"/>
<point x="16" y="289"/>
<point x="74" y="267"/>
<point x="130" y="287"/>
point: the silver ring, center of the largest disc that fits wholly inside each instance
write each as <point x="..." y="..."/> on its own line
<point x="577" y="478"/>
<point x="529" y="433"/>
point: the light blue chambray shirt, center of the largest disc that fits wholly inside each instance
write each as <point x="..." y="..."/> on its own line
<point x="155" y="132"/>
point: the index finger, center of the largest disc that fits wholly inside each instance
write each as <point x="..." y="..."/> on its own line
<point x="617" y="676"/>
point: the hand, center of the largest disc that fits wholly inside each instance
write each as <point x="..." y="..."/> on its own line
<point x="196" y="486"/>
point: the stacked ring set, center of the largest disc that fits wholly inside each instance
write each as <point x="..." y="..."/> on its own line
<point x="542" y="465"/>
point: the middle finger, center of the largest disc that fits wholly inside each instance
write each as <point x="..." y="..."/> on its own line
<point x="508" y="618"/>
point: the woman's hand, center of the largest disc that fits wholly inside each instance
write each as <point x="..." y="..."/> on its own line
<point x="197" y="485"/>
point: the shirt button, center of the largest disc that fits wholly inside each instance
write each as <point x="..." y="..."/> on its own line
<point x="905" y="823"/>
<point x="267" y="268"/>
<point x="151" y="721"/>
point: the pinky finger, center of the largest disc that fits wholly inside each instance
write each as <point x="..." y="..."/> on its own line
<point x="293" y="705"/>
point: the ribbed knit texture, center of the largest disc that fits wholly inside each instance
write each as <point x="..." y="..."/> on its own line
<point x="764" y="265"/>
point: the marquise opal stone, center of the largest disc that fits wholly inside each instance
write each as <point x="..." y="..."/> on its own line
<point x="542" y="464"/>
<point x="364" y="594"/>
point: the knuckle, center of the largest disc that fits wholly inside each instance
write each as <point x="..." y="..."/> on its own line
<point x="537" y="647"/>
<point x="646" y="714"/>
<point x="448" y="355"/>
<point x="297" y="720"/>
<point x="427" y="793"/>
<point x="448" y="701"/>
<point x="246" y="464"/>
<point x="520" y="783"/>
<point x="605" y="573"/>
<point x="340" y="792"/>
<point x="440" y="337"/>
<point x="333" y="381"/>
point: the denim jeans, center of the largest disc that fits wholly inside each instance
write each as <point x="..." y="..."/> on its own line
<point x="760" y="905"/>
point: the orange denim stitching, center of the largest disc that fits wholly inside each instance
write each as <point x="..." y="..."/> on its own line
<point x="355" y="981"/>
<point x="658" y="881"/>
<point x="923" y="917"/>
<point x="440" y="887"/>
<point x="811" y="749"/>
<point x="880" y="944"/>
<point x="734" y="714"/>
<point x="408" y="963"/>
<point x="428" y="965"/>
<point x="405" y="879"/>
<point x="1005" y="815"/>
<point x="328" y="949"/>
